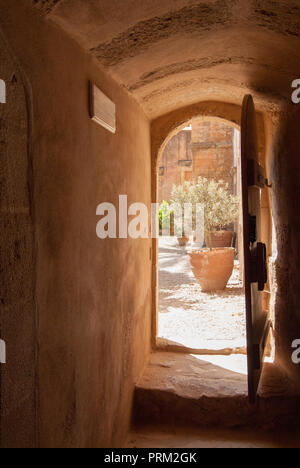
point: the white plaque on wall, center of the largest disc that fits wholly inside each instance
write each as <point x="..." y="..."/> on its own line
<point x="102" y="109"/>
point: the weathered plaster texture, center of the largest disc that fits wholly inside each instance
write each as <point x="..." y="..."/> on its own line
<point x="283" y="149"/>
<point x="93" y="315"/>
<point x="174" y="53"/>
<point x="46" y="6"/>
<point x="197" y="18"/>
<point x="180" y="389"/>
<point x="281" y="17"/>
<point x="210" y="147"/>
<point x="17" y="272"/>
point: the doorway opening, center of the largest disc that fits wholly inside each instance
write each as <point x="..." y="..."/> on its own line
<point x="191" y="316"/>
<point x="171" y="260"/>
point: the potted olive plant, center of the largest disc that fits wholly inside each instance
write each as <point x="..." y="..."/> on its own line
<point x="180" y="195"/>
<point x="213" y="267"/>
<point x="221" y="210"/>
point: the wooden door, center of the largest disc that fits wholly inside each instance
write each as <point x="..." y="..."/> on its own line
<point x="255" y="270"/>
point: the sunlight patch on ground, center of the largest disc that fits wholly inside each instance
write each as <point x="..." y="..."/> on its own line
<point x="235" y="362"/>
<point x="191" y="318"/>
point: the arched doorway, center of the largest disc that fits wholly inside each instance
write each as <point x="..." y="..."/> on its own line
<point x="206" y="152"/>
<point x="163" y="129"/>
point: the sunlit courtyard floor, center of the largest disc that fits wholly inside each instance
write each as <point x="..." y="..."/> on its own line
<point x="191" y="318"/>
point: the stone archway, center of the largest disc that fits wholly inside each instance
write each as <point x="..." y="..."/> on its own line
<point x="162" y="130"/>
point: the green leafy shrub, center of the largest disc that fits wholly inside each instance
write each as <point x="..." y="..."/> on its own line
<point x="220" y="207"/>
<point x="165" y="216"/>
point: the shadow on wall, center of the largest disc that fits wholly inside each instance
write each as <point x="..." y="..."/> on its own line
<point x="17" y="276"/>
<point x="285" y="176"/>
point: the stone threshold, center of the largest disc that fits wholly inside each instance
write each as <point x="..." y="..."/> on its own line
<point x="181" y="388"/>
<point x="215" y="348"/>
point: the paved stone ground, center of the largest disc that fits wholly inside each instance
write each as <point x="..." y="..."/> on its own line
<point x="189" y="317"/>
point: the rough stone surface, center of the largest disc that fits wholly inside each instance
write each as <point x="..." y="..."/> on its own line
<point x="283" y="150"/>
<point x="173" y="53"/>
<point x="46" y="6"/>
<point x="183" y="389"/>
<point x="196" y="18"/>
<point x="17" y="261"/>
<point x="209" y="144"/>
<point x="178" y="148"/>
<point x="281" y="17"/>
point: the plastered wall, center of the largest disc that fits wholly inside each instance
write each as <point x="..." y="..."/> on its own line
<point x="283" y="164"/>
<point x="92" y="296"/>
<point x="17" y="260"/>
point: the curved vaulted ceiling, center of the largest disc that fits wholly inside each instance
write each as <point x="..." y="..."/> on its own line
<point x="171" y="53"/>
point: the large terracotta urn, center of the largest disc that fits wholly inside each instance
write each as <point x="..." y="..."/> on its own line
<point x="215" y="239"/>
<point x="212" y="267"/>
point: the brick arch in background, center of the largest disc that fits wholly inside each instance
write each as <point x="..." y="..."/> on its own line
<point x="212" y="147"/>
<point x="166" y="126"/>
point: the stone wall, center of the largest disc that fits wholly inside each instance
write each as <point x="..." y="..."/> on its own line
<point x="209" y="145"/>
<point x="170" y="171"/>
<point x="212" y="147"/>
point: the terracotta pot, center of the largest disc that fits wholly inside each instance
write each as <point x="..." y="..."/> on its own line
<point x="195" y="240"/>
<point x="182" y="241"/>
<point x="212" y="268"/>
<point x="214" y="239"/>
